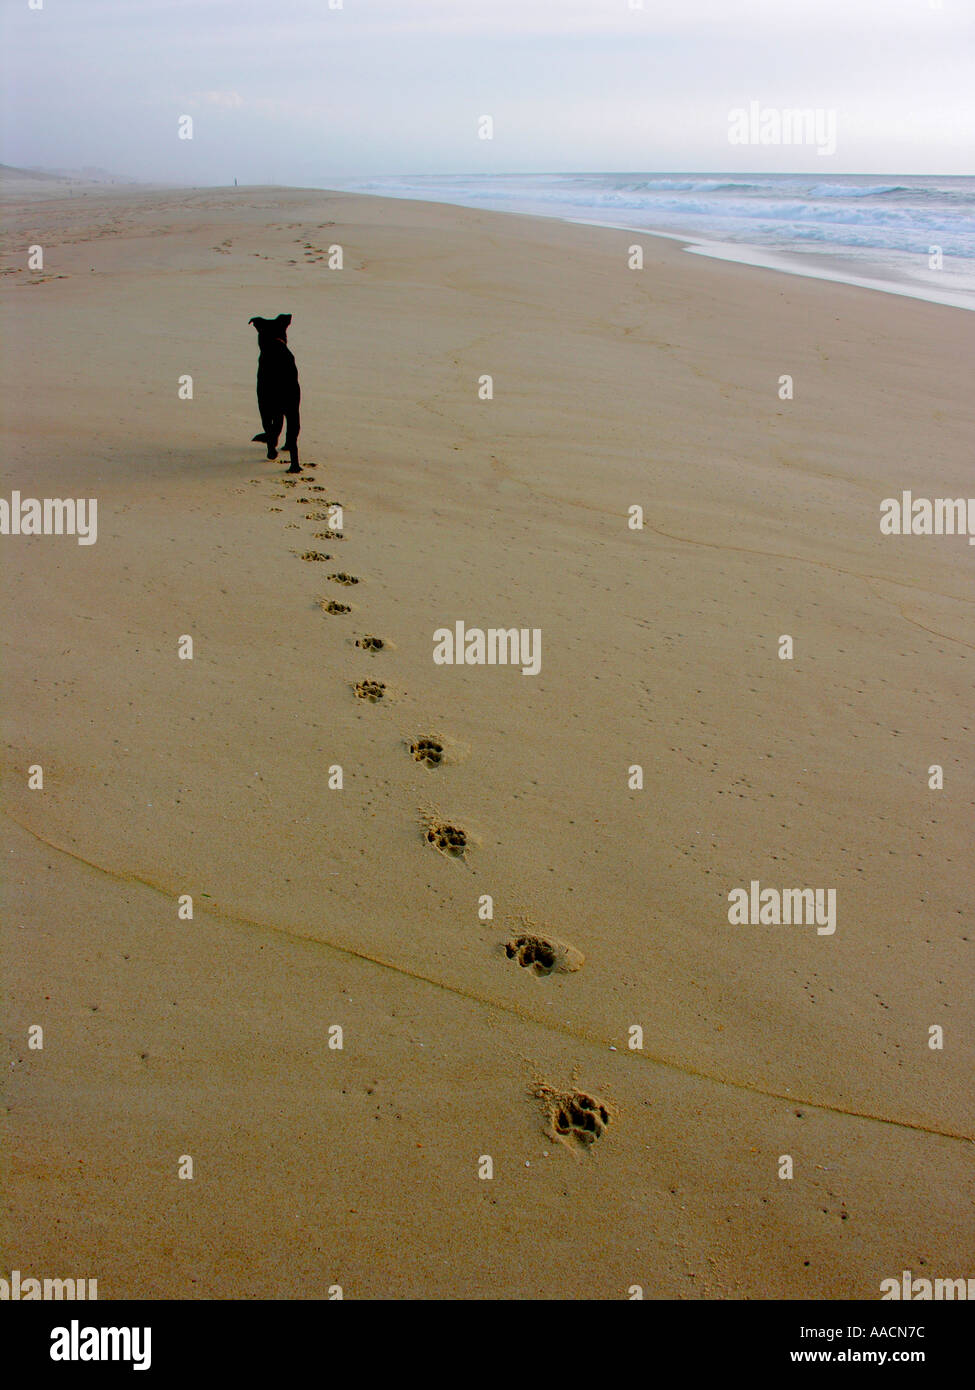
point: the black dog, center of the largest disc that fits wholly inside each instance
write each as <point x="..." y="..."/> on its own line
<point x="278" y="392"/>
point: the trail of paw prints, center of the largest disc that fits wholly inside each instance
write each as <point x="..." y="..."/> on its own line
<point x="370" y="691"/>
<point x="312" y="253"/>
<point x="307" y="486"/>
<point x="574" y="1117"/>
<point x="312" y="556"/>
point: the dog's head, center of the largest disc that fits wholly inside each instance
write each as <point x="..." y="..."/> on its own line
<point x="271" y="330"/>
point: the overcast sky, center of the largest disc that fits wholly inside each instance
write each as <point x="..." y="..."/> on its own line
<point x="293" y="91"/>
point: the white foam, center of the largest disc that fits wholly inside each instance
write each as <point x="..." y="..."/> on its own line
<point x="769" y="260"/>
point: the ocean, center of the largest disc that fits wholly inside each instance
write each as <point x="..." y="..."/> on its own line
<point x="913" y="235"/>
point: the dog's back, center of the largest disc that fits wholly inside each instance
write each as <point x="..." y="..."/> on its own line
<point x="277" y="370"/>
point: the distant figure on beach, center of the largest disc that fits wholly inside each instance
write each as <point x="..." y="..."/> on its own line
<point x="278" y="392"/>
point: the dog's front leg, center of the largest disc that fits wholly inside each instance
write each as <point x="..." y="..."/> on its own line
<point x="272" y="430"/>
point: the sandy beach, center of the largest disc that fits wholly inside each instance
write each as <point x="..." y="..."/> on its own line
<point x="318" y="907"/>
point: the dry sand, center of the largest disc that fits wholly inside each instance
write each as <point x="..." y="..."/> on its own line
<point x="314" y="907"/>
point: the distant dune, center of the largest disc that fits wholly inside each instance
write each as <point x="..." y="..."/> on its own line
<point x="25" y="183"/>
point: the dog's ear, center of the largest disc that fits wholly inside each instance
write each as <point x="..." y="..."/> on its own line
<point x="284" y="320"/>
<point x="258" y="323"/>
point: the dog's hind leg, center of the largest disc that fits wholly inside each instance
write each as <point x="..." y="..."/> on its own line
<point x="291" y="439"/>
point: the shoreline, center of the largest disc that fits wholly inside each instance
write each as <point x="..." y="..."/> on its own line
<point x="792" y="263"/>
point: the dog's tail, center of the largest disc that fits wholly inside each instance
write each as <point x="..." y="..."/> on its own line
<point x="259" y="439"/>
